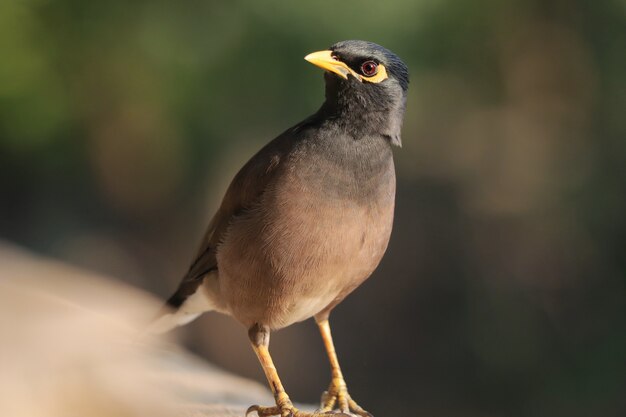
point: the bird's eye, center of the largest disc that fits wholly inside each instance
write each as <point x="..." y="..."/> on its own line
<point x="369" y="68"/>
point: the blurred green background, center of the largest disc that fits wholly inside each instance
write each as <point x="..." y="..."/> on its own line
<point x="502" y="292"/>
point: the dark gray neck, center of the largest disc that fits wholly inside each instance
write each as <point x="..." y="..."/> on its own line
<point x="343" y="167"/>
<point x="364" y="111"/>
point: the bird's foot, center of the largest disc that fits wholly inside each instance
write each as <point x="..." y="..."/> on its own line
<point x="338" y="399"/>
<point x="288" y="410"/>
<point x="272" y="411"/>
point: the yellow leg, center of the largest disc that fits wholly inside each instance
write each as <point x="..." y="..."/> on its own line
<point x="337" y="393"/>
<point x="260" y="338"/>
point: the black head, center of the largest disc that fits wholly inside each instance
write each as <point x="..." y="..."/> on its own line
<point x="366" y="86"/>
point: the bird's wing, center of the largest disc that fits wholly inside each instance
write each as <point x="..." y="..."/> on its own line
<point x="245" y="189"/>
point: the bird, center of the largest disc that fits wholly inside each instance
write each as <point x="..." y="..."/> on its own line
<point x="306" y="220"/>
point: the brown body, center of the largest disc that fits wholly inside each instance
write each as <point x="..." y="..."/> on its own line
<point x="317" y="231"/>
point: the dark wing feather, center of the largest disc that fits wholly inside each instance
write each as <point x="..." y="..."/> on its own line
<point x="245" y="189"/>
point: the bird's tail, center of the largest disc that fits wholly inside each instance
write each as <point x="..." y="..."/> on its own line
<point x="169" y="319"/>
<point x="182" y="307"/>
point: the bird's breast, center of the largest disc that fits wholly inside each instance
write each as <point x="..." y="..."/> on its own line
<point x="315" y="235"/>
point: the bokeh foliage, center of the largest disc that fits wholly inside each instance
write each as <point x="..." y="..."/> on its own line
<point x="502" y="294"/>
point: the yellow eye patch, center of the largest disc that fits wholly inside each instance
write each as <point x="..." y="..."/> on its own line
<point x="381" y="75"/>
<point x="326" y="60"/>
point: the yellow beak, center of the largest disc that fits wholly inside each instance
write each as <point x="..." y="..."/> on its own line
<point x="325" y="60"/>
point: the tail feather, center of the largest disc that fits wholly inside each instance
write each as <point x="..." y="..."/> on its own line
<point x="188" y="310"/>
<point x="170" y="320"/>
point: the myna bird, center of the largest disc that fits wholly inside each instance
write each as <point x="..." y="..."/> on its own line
<point x="307" y="219"/>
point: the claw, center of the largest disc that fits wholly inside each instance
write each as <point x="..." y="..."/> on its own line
<point x="328" y="402"/>
<point x="337" y="399"/>
<point x="357" y="408"/>
<point x="265" y="411"/>
<point x="287" y="411"/>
